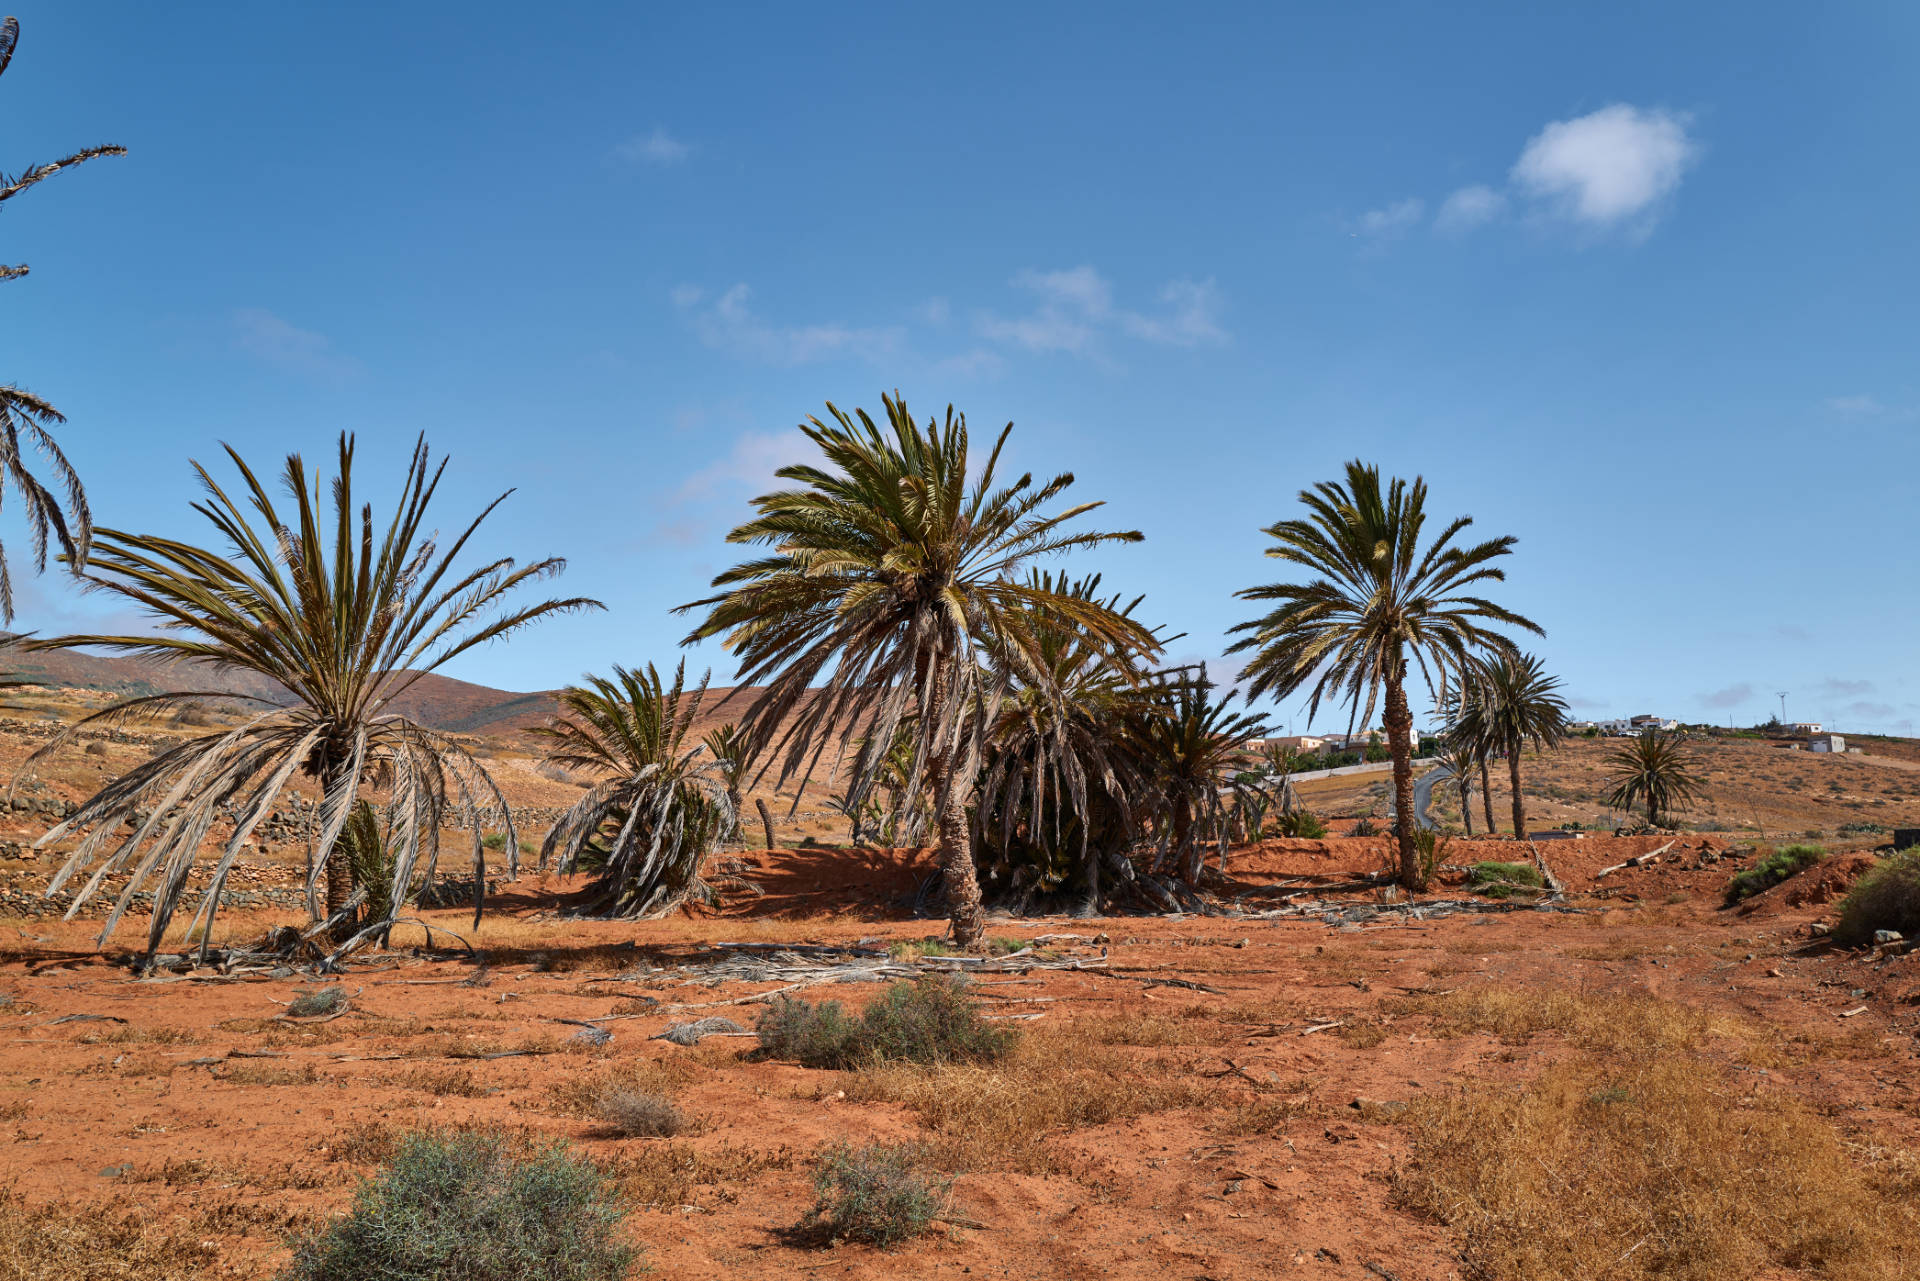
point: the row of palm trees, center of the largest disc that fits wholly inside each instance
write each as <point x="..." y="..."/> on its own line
<point x="897" y="638"/>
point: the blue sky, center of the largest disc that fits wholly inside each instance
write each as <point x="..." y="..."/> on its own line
<point x="1635" y="283"/>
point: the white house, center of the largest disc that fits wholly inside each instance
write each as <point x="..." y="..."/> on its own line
<point x="1826" y="743"/>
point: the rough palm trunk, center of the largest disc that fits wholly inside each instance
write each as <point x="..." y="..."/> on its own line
<point x="1190" y="859"/>
<point x="1466" y="806"/>
<point x="1486" y="797"/>
<point x="340" y="868"/>
<point x="766" y="818"/>
<point x="955" y="849"/>
<point x="1399" y="719"/>
<point x="1519" y="802"/>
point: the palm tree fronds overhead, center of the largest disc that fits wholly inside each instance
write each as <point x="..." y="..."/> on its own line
<point x="341" y="614"/>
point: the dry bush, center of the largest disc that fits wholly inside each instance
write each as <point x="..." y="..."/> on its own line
<point x="1650" y="1165"/>
<point x="130" y="1035"/>
<point x="580" y="1096"/>
<point x="1886" y="898"/>
<point x="67" y="1242"/>
<point x="1005" y="1117"/>
<point x="880" y="1194"/>
<point x="670" y="1175"/>
<point x="635" y="1114"/>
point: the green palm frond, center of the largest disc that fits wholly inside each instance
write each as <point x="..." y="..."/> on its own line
<point x="661" y="806"/>
<point x="1194" y="747"/>
<point x="343" y="616"/>
<point x="1504" y="703"/>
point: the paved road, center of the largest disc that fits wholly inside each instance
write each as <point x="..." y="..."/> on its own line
<point x="1423" y="793"/>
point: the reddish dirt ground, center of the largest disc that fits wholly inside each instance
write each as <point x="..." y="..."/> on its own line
<point x="182" y="1097"/>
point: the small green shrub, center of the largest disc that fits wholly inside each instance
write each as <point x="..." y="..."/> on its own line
<point x="1886" y="898"/>
<point x="326" y="1000"/>
<point x="1862" y="829"/>
<point x="1365" y="827"/>
<point x="931" y="1021"/>
<point x="1301" y="823"/>
<point x="472" y="1206"/>
<point x="1788" y="860"/>
<point x="1502" y="880"/>
<point x="881" y="1194"/>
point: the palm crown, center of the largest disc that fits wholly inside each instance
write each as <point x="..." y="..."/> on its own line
<point x="1511" y="702"/>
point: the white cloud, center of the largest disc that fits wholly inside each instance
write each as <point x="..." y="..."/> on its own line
<point x="1608" y="167"/>
<point x="729" y="324"/>
<point x="749" y="465"/>
<point x="1469" y="207"/>
<point x="1076" y="311"/>
<point x="1394" y="219"/>
<point x="1731" y="696"/>
<point x="656" y="148"/>
<point x="1192" y="317"/>
<point x="260" y="333"/>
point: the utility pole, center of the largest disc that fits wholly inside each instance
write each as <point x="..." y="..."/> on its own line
<point x="1783" y="706"/>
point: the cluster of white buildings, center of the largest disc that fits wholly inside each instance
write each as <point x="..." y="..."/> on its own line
<point x="1627" y="726"/>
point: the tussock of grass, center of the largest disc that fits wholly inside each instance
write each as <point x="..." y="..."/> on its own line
<point x="1153" y="1030"/>
<point x="271" y="1074"/>
<point x="1649" y="1167"/>
<point x="931" y="1021"/>
<point x="1006" y="1116"/>
<point x="326" y="1000"/>
<point x="1785" y="862"/>
<point x="580" y="1096"/>
<point x="1501" y="880"/>
<point x="64" y="1242"/>
<point x="1886" y="898"/>
<point x="914" y="949"/>
<point x="439" y="1082"/>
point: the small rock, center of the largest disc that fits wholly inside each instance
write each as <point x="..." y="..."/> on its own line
<point x="1888" y="936"/>
<point x="1820" y="929"/>
<point x="120" y="1171"/>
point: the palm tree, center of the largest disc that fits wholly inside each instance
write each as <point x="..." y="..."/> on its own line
<point x="343" y="619"/>
<point x="1060" y="780"/>
<point x="50" y="516"/>
<point x="1656" y="767"/>
<point x="733" y="752"/>
<point x="1381" y="601"/>
<point x="1460" y="759"/>
<point x="891" y="584"/>
<point x="1513" y="704"/>
<point x="1194" y="745"/>
<point x="661" y="806"/>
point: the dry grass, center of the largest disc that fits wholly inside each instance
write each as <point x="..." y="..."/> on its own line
<point x="670" y="1175"/>
<point x="1624" y="1023"/>
<point x="272" y="1074"/>
<point x="580" y="1096"/>
<point x="1005" y="1117"/>
<point x="635" y="1114"/>
<point x="440" y="1082"/>
<point x="1650" y="1165"/>
<point x="63" y="1242"/>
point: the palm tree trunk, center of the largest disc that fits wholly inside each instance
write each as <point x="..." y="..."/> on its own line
<point x="1190" y="859"/>
<point x="955" y="848"/>
<point x="1486" y="797"/>
<point x="340" y="882"/>
<point x="766" y="818"/>
<point x="1466" y="806"/>
<point x="1519" y="802"/>
<point x="1399" y="719"/>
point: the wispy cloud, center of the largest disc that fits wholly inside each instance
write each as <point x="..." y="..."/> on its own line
<point x="748" y="465"/>
<point x="1834" y="688"/>
<point x="1731" y="696"/>
<point x="267" y="337"/>
<point x="655" y="148"/>
<point x="1879" y="713"/>
<point x="1469" y="207"/>
<point x="1075" y="312"/>
<point x="728" y="323"/>
<point x="1395" y="219"/>
<point x="1609" y="168"/>
<point x="1864" y="405"/>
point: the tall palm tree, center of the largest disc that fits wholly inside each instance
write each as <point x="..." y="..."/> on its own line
<point x="343" y="617"/>
<point x="1656" y="767"/>
<point x="662" y="805"/>
<point x="1381" y="600"/>
<point x="1061" y="779"/>
<point x="890" y="583"/>
<point x="1514" y="703"/>
<point x="61" y="518"/>
<point x="1194" y="745"/>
